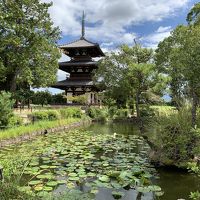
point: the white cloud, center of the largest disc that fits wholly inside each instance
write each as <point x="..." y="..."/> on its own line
<point x="152" y="40"/>
<point x="162" y="29"/>
<point x="108" y="20"/>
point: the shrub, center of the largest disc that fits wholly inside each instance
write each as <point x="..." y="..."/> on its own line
<point x="53" y="115"/>
<point x="121" y="114"/>
<point x="98" y="114"/>
<point x="112" y="111"/>
<point x="174" y="137"/>
<point x="15" y="121"/>
<point x="45" y="115"/>
<point x="71" y="112"/>
<point x="40" y="115"/>
<point x="6" y="105"/>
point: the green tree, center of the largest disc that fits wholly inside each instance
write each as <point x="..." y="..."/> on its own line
<point x="168" y="62"/>
<point x="182" y="64"/>
<point x="130" y="75"/>
<point x="6" y="108"/>
<point x="142" y="76"/>
<point x="42" y="98"/>
<point x="28" y="52"/>
<point x="193" y="17"/>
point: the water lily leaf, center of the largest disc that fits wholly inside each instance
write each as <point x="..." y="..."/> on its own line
<point x="38" y="188"/>
<point x="70" y="185"/>
<point x="35" y="182"/>
<point x="74" y="178"/>
<point x="47" y="188"/>
<point x="117" y="194"/>
<point x="104" y="178"/>
<point x="44" y="166"/>
<point x="154" y="188"/>
<point x="52" y="183"/>
<point x="159" y="194"/>
<point x="94" y="191"/>
<point x="72" y="174"/>
<point x="143" y="189"/>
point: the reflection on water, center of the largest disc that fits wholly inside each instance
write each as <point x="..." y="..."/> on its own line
<point x="175" y="183"/>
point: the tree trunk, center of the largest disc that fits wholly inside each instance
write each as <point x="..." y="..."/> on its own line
<point x="194" y="108"/>
<point x="141" y="126"/>
<point x="13" y="82"/>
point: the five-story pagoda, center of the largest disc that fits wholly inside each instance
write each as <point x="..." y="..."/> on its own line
<point x="80" y="67"/>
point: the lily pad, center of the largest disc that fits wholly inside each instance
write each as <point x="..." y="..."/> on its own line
<point x="117" y="194"/>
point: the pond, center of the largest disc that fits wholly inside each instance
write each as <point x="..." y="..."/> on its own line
<point x="107" y="160"/>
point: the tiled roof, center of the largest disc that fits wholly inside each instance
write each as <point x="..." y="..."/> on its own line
<point x="79" y="43"/>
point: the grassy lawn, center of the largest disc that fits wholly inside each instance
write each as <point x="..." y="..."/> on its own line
<point x="163" y="109"/>
<point x="21" y="130"/>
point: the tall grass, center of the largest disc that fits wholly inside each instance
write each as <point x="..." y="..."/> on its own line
<point x="40" y="125"/>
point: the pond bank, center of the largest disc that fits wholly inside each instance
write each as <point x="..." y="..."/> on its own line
<point x="27" y="136"/>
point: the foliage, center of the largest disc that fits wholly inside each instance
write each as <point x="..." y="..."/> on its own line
<point x="80" y="99"/>
<point x="178" y="57"/>
<point x="193" y="17"/>
<point x="42" y="98"/>
<point x="15" y="121"/>
<point x="99" y="114"/>
<point x="130" y="77"/>
<point x="58" y="99"/>
<point x="71" y="112"/>
<point x="6" y="106"/>
<point x="195" y="195"/>
<point x="38" y="126"/>
<point x="45" y="115"/>
<point x="176" y="142"/>
<point x="39" y="115"/>
<point x="194" y="167"/>
<point x="121" y="114"/>
<point x="82" y="157"/>
<point x="28" y="51"/>
<point x="53" y="115"/>
<point x="13" y="170"/>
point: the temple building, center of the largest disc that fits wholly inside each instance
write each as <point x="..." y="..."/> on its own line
<point x="80" y="67"/>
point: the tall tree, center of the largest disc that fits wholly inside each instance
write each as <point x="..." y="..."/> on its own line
<point x="131" y="74"/>
<point x="179" y="57"/>
<point x="168" y="62"/>
<point x="28" y="52"/>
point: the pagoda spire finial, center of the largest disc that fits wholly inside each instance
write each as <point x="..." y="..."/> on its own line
<point x="83" y="26"/>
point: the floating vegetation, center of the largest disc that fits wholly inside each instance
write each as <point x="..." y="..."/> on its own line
<point x="83" y="158"/>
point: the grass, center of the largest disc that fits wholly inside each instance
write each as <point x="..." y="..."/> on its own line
<point x="163" y="109"/>
<point x="22" y="130"/>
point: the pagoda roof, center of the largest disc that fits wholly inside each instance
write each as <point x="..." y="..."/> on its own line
<point x="72" y="83"/>
<point x="77" y="63"/>
<point x="82" y="43"/>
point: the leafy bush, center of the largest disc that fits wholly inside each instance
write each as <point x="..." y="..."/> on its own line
<point x="53" y="115"/>
<point x="121" y="114"/>
<point x="45" y="115"/>
<point x="112" y="111"/>
<point x="174" y="138"/>
<point x="15" y="121"/>
<point x="6" y="105"/>
<point x="98" y="114"/>
<point x="80" y="99"/>
<point x="71" y="112"/>
<point x="40" y="115"/>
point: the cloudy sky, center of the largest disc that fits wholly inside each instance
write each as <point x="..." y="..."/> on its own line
<point x="114" y="22"/>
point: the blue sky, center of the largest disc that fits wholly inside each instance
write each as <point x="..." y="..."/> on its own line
<point x="114" y="22"/>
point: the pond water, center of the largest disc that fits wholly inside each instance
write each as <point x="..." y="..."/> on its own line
<point x="101" y="158"/>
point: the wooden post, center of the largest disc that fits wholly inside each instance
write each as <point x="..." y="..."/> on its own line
<point x="1" y="173"/>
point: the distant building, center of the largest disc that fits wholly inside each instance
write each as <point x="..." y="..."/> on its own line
<point x="80" y="68"/>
